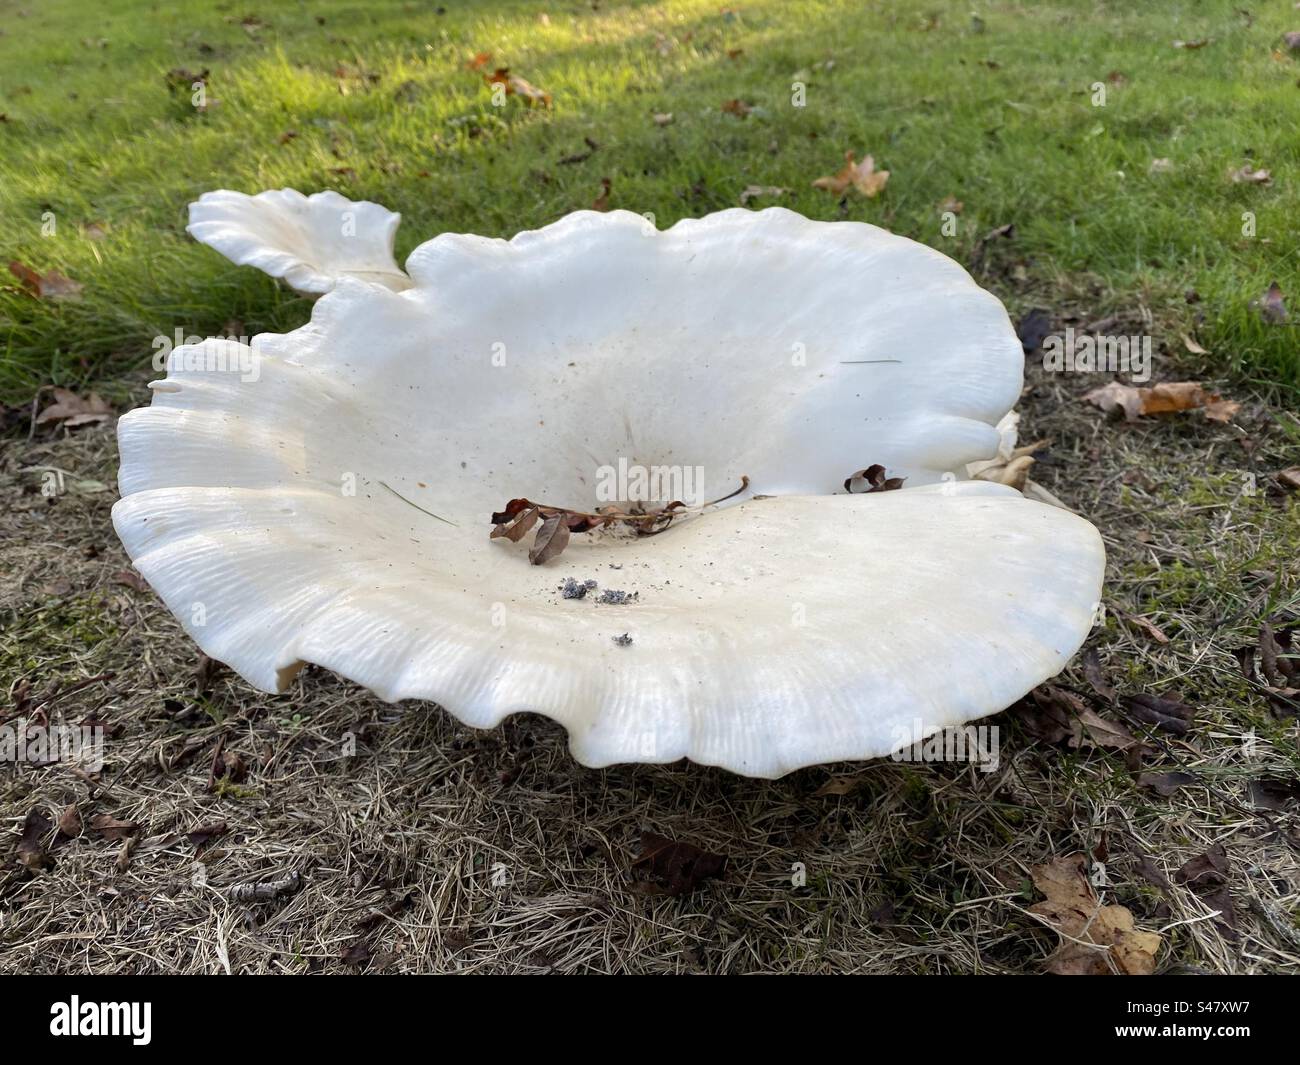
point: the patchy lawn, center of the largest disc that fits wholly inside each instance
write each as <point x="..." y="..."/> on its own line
<point x="404" y="841"/>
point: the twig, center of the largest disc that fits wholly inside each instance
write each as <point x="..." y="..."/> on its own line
<point x="417" y="506"/>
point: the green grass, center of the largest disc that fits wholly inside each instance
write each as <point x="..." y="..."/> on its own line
<point x="996" y="112"/>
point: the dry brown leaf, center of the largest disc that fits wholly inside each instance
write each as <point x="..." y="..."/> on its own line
<point x="1192" y="45"/>
<point x="111" y="828"/>
<point x="1192" y="346"/>
<point x="1014" y="473"/>
<point x="863" y="176"/>
<point x="1165" y="784"/>
<point x="1052" y="714"/>
<point x="663" y="118"/>
<point x="48" y="286"/>
<point x="951" y="203"/>
<point x="1171" y="397"/>
<point x="1172" y="715"/>
<point x="1220" y="410"/>
<point x="1289" y="478"/>
<point x="72" y="410"/>
<point x="601" y="202"/>
<point x="518" y="527"/>
<point x="130" y="579"/>
<point x="839" y="786"/>
<point x="736" y="107"/>
<point x="1096" y="677"/>
<point x="872" y="479"/>
<point x="70" y="821"/>
<point x="552" y="538"/>
<point x="1208" y="876"/>
<point x="1167" y="398"/>
<point x="1096" y="940"/>
<point x="32" y="854"/>
<point x="1116" y="396"/>
<point x="517" y="86"/>
<point x="1147" y="626"/>
<point x="674" y="867"/>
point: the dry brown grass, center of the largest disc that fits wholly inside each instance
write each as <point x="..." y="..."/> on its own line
<point x="437" y="848"/>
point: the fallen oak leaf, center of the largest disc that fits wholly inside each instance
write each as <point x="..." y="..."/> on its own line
<point x="863" y="176"/>
<point x="1096" y="939"/>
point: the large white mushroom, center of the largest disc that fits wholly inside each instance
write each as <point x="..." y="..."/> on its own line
<point x="309" y="241"/>
<point x="333" y="507"/>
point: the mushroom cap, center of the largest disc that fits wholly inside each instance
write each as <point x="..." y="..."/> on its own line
<point x="309" y="241"/>
<point x="332" y="506"/>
